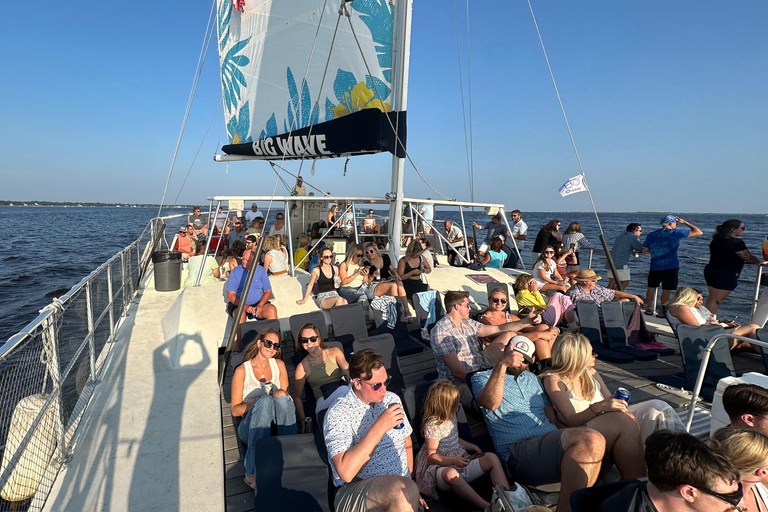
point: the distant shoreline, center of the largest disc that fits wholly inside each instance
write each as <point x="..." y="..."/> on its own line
<point x="88" y="204"/>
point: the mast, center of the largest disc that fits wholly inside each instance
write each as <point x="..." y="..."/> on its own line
<point x="401" y="56"/>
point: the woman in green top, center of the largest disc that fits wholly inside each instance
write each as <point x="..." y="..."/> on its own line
<point x="559" y="308"/>
<point x="321" y="366"/>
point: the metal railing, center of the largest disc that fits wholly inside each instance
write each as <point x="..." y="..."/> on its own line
<point x="703" y="369"/>
<point x="48" y="372"/>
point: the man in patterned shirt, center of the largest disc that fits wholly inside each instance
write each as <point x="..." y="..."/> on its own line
<point x="455" y="343"/>
<point x="369" y="443"/>
<point x="586" y="288"/>
<point x="522" y="424"/>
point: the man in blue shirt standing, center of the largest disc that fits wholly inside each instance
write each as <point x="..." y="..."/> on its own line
<point x="663" y="244"/>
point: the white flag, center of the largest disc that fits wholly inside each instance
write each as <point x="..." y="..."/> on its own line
<point x="573" y="185"/>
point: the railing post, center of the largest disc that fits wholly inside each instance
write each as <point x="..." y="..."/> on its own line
<point x="354" y="221"/>
<point x="89" y="312"/>
<point x="51" y="341"/>
<point x="111" y="303"/>
<point x="126" y="300"/>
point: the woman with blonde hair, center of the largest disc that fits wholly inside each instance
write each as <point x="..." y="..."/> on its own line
<point x="260" y="396"/>
<point x="558" y="308"/>
<point x="542" y="335"/>
<point x="320" y="368"/>
<point x="444" y="462"/>
<point x="326" y="275"/>
<point x="301" y="251"/>
<point x="579" y="394"/>
<point x="748" y="452"/>
<point x="352" y="273"/>
<point x="410" y="268"/>
<point x="275" y="257"/>
<point x="684" y="309"/>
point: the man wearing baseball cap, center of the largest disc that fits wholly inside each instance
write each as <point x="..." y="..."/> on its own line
<point x="183" y="243"/>
<point x="520" y="420"/>
<point x="663" y="244"/>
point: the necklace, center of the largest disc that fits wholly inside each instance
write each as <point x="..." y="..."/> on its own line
<point x="261" y="367"/>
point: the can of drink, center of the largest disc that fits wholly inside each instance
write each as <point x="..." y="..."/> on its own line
<point x="398" y="427"/>
<point x="623" y="394"/>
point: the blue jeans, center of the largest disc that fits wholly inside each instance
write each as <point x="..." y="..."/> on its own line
<point x="256" y="424"/>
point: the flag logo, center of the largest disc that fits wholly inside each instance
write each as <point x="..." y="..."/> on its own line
<point x="573" y="185"/>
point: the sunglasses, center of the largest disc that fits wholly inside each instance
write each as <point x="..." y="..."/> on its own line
<point x="370" y="251"/>
<point x="359" y="255"/>
<point x="549" y="252"/>
<point x="497" y="300"/>
<point x="280" y="218"/>
<point x="732" y="497"/>
<point x="377" y="386"/>
<point x="270" y="344"/>
<point x="327" y="257"/>
<point x="309" y="339"/>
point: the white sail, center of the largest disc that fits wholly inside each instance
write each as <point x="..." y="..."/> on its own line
<point x="286" y="66"/>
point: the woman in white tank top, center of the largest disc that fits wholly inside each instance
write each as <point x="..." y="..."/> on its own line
<point x="579" y="394"/>
<point x="260" y="396"/>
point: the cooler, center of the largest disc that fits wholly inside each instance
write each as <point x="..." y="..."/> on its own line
<point x="719" y="417"/>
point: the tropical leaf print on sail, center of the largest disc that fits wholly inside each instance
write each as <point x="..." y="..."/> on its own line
<point x="279" y="73"/>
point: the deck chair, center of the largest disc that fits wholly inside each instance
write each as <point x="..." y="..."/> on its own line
<point x="403" y="342"/>
<point x="616" y="333"/>
<point x="422" y="314"/>
<point x="296" y="478"/>
<point x="589" y="322"/>
<point x="260" y="325"/>
<point x="315" y="317"/>
<point x="384" y="344"/>
<point x="590" y="498"/>
<point x="348" y="325"/>
<point x="693" y="339"/>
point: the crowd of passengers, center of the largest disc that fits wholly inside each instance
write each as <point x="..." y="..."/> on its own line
<point x="563" y="425"/>
<point x="558" y="423"/>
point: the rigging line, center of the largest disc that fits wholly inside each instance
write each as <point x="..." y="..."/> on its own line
<point x="209" y="30"/>
<point x="565" y="117"/>
<point x="296" y="176"/>
<point x="469" y="101"/>
<point x="285" y="183"/>
<point x="215" y="114"/>
<point x="461" y="89"/>
<point x="389" y="120"/>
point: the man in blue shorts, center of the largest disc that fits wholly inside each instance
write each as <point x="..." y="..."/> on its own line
<point x="663" y="244"/>
<point x="521" y="422"/>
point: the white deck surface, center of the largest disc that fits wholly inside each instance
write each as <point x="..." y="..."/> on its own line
<point x="151" y="437"/>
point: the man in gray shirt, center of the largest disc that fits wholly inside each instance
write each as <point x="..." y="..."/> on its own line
<point x="625" y="245"/>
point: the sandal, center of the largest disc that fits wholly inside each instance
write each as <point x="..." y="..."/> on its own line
<point x="252" y="485"/>
<point x="648" y="312"/>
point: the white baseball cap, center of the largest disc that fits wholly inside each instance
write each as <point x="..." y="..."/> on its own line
<point x="524" y="346"/>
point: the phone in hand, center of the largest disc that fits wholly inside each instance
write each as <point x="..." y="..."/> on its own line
<point x="474" y="456"/>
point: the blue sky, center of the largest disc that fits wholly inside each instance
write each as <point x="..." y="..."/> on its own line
<point x="667" y="102"/>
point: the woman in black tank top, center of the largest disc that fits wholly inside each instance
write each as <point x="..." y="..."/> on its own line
<point x="326" y="275"/>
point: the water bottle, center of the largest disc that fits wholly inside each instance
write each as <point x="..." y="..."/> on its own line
<point x="336" y="281"/>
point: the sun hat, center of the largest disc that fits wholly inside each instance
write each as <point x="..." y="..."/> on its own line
<point x="183" y="229"/>
<point x="524" y="346"/>
<point x="587" y="275"/>
<point x="668" y="219"/>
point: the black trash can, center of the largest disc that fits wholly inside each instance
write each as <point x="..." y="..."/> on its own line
<point x="167" y="270"/>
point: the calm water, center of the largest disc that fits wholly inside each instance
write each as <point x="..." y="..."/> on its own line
<point x="48" y="250"/>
